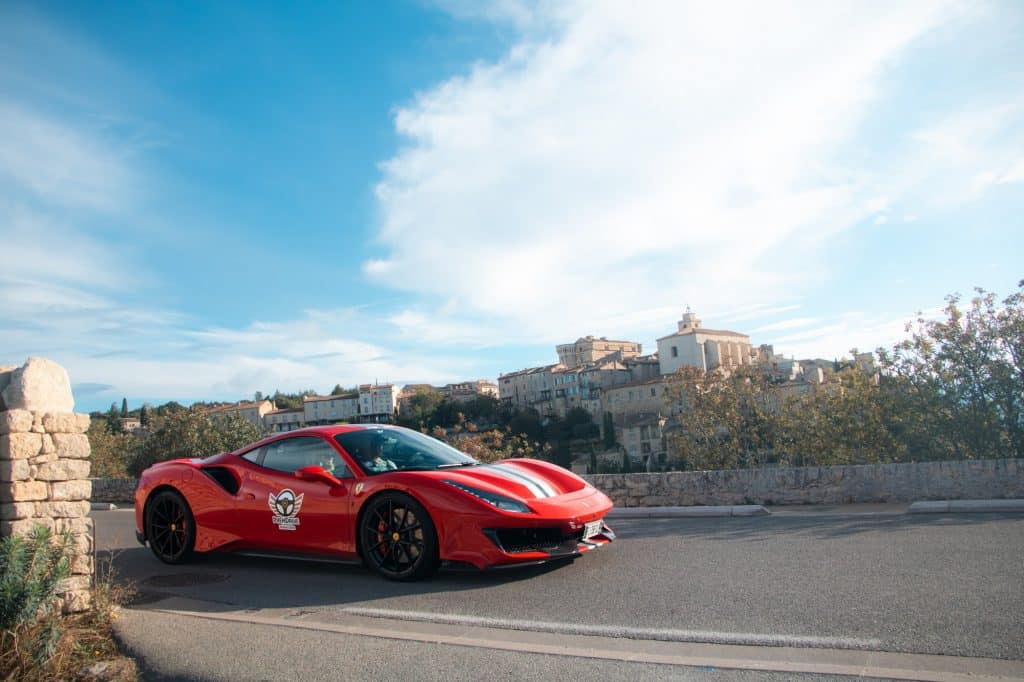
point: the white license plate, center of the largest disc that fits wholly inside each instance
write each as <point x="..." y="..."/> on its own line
<point x="592" y="529"/>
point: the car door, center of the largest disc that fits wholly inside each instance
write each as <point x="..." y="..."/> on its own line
<point x="277" y="510"/>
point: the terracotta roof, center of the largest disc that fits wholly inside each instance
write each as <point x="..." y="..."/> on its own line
<point x="702" y="330"/>
<point x="236" y="406"/>
<point x="634" y="384"/>
<point x="321" y="398"/>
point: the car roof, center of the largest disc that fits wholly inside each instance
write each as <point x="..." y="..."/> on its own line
<point x="328" y="431"/>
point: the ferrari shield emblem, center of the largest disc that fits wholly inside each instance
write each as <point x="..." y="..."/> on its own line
<point x="359" y="488"/>
<point x="286" y="507"/>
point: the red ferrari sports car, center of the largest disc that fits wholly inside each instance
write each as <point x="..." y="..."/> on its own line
<point x="398" y="500"/>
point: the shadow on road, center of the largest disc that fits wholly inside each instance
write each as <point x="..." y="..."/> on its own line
<point x="810" y="525"/>
<point x="232" y="581"/>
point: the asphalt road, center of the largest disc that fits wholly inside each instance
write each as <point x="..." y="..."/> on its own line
<point x="950" y="585"/>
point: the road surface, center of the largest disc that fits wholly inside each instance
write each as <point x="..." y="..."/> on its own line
<point x="817" y="594"/>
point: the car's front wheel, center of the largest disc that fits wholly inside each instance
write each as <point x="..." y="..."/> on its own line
<point x="170" y="528"/>
<point x="398" y="539"/>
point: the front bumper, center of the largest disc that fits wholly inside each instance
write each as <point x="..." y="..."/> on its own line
<point x="551" y="543"/>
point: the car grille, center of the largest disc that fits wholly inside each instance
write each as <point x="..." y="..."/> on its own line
<point x="550" y="540"/>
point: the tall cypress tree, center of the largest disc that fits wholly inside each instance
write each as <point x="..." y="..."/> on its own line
<point x="609" y="431"/>
<point x="124" y="407"/>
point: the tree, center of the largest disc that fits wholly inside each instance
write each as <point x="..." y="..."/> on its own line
<point x="493" y="445"/>
<point x="113" y="420"/>
<point x="853" y="420"/>
<point x="144" y="416"/>
<point x="193" y="434"/>
<point x="124" y="407"/>
<point x="964" y="376"/>
<point x="609" y="431"/>
<point x="168" y="408"/>
<point x="731" y="419"/>
<point x="337" y="390"/>
<point x="581" y="424"/>
<point x="418" y="409"/>
<point x="110" y="451"/>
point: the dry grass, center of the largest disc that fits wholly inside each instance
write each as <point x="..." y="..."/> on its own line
<point x="86" y="639"/>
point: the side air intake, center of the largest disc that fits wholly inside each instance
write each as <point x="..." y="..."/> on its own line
<point x="224" y="478"/>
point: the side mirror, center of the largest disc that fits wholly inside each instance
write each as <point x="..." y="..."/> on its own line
<point x="315" y="473"/>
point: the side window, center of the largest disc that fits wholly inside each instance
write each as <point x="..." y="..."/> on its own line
<point x="253" y="455"/>
<point x="292" y="454"/>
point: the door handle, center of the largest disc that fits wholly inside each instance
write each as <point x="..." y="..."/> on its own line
<point x="250" y="496"/>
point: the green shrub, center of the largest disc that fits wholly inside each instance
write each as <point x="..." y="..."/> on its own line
<point x="31" y="568"/>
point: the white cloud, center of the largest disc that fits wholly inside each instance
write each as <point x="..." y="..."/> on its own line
<point x="786" y="324"/>
<point x="58" y="163"/>
<point x="840" y="335"/>
<point x="621" y="158"/>
<point x="962" y="155"/>
<point x="1014" y="174"/>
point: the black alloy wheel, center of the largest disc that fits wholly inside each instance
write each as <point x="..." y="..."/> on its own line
<point x="398" y="538"/>
<point x="170" y="528"/>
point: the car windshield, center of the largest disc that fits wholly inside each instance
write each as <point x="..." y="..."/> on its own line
<point x="379" y="450"/>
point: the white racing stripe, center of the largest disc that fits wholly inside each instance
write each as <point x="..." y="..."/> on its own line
<point x="533" y="482"/>
<point x="622" y="631"/>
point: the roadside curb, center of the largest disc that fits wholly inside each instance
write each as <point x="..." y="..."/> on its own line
<point x="674" y="512"/>
<point x="965" y="506"/>
<point x="102" y="506"/>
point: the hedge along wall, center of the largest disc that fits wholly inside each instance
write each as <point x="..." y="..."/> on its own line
<point x="909" y="482"/>
<point x="44" y="466"/>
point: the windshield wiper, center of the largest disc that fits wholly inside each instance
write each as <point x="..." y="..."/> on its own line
<point x="455" y="465"/>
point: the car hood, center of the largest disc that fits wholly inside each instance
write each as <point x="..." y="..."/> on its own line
<point x="521" y="478"/>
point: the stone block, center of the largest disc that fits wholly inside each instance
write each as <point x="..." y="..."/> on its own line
<point x="14" y="469"/>
<point x="20" y="445"/>
<point x="65" y="422"/>
<point x="63" y="470"/>
<point x="74" y="583"/>
<point x="23" y="526"/>
<point x="63" y="510"/>
<point x="15" y="421"/>
<point x="48" y="446"/>
<point x="23" y="491"/>
<point x="78" y="527"/>
<point x="82" y="543"/>
<point x="5" y="379"/>
<point x="12" y="511"/>
<point x="43" y="459"/>
<point x="39" y="385"/>
<point x="81" y="564"/>
<point x="75" y="601"/>
<point x="37" y="423"/>
<point x="70" y="490"/>
<point x="71" y="445"/>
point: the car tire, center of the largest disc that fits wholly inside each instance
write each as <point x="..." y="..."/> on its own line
<point x="170" y="527"/>
<point x="397" y="538"/>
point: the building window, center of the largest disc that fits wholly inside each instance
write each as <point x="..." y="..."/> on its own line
<point x="675" y="352"/>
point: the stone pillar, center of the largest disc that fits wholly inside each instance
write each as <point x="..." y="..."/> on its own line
<point x="44" y="466"/>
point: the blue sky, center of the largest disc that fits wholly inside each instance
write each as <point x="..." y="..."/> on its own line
<point x="203" y="200"/>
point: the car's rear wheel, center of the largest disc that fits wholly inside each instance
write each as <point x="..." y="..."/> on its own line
<point x="398" y="539"/>
<point x="170" y="528"/>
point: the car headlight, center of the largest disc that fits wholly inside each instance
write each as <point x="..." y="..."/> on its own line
<point x="494" y="499"/>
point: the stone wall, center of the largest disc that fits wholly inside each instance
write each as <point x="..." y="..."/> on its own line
<point x="44" y="466"/>
<point x="116" y="490"/>
<point x="959" y="480"/>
